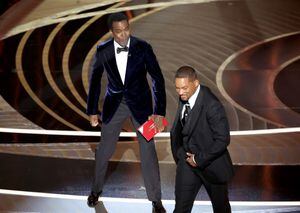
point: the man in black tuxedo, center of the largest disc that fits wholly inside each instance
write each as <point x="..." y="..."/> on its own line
<point x="126" y="60"/>
<point x="199" y="140"/>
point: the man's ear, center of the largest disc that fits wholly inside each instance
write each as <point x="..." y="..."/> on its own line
<point x="196" y="82"/>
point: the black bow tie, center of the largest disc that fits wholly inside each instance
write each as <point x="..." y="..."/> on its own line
<point x="120" y="49"/>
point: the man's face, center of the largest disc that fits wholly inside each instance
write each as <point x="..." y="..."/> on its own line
<point x="121" y="32"/>
<point x="185" y="88"/>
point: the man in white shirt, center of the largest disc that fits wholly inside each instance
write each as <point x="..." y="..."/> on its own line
<point x="127" y="60"/>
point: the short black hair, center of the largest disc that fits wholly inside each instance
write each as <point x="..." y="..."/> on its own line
<point x="186" y="72"/>
<point x="115" y="17"/>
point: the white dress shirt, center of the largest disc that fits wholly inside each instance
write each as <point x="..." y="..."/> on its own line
<point x="121" y="59"/>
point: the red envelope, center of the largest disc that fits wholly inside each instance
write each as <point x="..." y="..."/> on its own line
<point x="149" y="130"/>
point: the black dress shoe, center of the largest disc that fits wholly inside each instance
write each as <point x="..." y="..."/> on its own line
<point x="158" y="207"/>
<point x="93" y="199"/>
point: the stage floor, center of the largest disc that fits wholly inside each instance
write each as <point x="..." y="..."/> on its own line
<point x="37" y="202"/>
<point x="41" y="184"/>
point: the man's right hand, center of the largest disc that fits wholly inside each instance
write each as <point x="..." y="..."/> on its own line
<point x="94" y="120"/>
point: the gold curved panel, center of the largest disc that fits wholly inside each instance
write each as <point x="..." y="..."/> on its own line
<point x="21" y="76"/>
<point x="221" y="70"/>
<point x="50" y="20"/>
<point x="47" y="71"/>
<point x="40" y="20"/>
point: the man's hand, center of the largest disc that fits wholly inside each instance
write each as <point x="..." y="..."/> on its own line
<point x="94" y="120"/>
<point x="190" y="159"/>
<point x="158" y="120"/>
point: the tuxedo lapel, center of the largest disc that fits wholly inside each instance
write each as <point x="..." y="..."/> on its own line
<point x="178" y="116"/>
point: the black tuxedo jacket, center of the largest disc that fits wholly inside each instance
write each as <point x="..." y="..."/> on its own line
<point x="135" y="90"/>
<point x="205" y="134"/>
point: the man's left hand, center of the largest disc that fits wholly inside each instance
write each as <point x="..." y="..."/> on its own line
<point x="191" y="159"/>
<point x="158" y="120"/>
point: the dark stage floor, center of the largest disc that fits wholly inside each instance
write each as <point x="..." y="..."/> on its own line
<point x="73" y="177"/>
